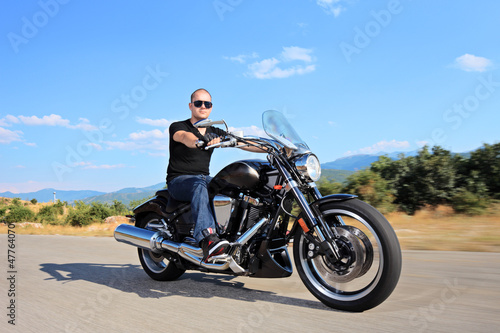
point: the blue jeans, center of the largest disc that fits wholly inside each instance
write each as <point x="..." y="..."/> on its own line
<point x="193" y="188"/>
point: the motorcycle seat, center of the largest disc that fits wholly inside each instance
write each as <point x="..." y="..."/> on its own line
<point x="163" y="193"/>
<point x="172" y="204"/>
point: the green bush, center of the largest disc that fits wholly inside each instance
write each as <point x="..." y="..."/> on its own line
<point x="50" y="214"/>
<point x="327" y="188"/>
<point x="3" y="210"/>
<point x="19" y="214"/>
<point x="79" y="218"/>
<point x="370" y="187"/>
<point x="34" y="201"/>
<point x="118" y="208"/>
<point x="82" y="214"/>
<point x="16" y="202"/>
<point x="134" y="203"/>
<point x="99" y="211"/>
<point x="466" y="202"/>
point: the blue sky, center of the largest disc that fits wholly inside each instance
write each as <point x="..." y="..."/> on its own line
<point x="88" y="88"/>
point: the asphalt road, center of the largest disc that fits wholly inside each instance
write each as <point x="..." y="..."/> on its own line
<point x="80" y="284"/>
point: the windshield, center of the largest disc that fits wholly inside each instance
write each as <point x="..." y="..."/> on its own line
<point x="278" y="128"/>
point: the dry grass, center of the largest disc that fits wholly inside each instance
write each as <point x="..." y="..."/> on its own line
<point x="97" y="229"/>
<point x="442" y="229"/>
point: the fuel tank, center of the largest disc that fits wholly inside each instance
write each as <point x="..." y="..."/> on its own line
<point x="241" y="176"/>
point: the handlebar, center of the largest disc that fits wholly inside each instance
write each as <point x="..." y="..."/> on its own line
<point x="233" y="142"/>
<point x="228" y="143"/>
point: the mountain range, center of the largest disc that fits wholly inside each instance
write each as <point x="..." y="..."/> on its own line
<point x="337" y="170"/>
<point x="47" y="194"/>
<point x="125" y="195"/>
<point x="361" y="161"/>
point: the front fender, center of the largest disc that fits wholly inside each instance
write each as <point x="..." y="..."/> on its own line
<point x="333" y="198"/>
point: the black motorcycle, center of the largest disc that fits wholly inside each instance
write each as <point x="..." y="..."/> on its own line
<point x="345" y="251"/>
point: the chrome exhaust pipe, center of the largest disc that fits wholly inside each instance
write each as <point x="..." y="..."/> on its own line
<point x="138" y="237"/>
<point x="154" y="241"/>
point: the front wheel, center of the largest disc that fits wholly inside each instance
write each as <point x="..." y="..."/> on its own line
<point x="370" y="263"/>
<point x="155" y="264"/>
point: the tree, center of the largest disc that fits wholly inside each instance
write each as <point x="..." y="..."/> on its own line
<point x="417" y="181"/>
<point x="326" y="187"/>
<point x="469" y="203"/>
<point x="118" y="208"/>
<point x="370" y="187"/>
<point x="485" y="161"/>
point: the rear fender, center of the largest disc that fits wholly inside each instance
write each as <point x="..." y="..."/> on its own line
<point x="154" y="205"/>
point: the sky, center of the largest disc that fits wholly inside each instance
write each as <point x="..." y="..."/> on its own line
<point x="89" y="88"/>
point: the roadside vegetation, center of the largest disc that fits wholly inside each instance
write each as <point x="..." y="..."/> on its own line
<point x="435" y="201"/>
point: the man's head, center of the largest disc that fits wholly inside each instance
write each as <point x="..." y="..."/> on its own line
<point x="201" y="105"/>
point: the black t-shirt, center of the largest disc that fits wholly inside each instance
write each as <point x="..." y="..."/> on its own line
<point x="188" y="161"/>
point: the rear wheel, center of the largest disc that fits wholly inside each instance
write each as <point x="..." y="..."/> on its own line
<point x="370" y="263"/>
<point x="155" y="264"/>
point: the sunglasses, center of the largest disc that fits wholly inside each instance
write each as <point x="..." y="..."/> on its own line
<point x="198" y="104"/>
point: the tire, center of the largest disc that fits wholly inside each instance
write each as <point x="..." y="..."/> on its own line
<point x="371" y="255"/>
<point x="155" y="264"/>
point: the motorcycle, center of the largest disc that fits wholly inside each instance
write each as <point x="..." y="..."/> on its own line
<point x="345" y="251"/>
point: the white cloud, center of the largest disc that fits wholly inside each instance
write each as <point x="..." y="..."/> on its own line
<point x="422" y="143"/>
<point x="242" y="58"/>
<point x="149" y="147"/>
<point x="8" y="136"/>
<point x="83" y="125"/>
<point x="262" y="69"/>
<point x="148" y="135"/>
<point x="8" y="120"/>
<point x="292" y="60"/>
<point x="268" y="68"/>
<point x="332" y="7"/>
<point x="296" y="53"/>
<point x="151" y="142"/>
<point x="472" y="63"/>
<point x="105" y="166"/>
<point x="95" y="146"/>
<point x="382" y="146"/>
<point x="250" y="130"/>
<point x="154" y="122"/>
<point x="52" y="120"/>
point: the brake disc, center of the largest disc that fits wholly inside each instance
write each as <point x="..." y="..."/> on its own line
<point x="368" y="260"/>
<point x="352" y="257"/>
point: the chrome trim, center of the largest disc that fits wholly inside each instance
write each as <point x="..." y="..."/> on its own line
<point x="250" y="233"/>
<point x="304" y="206"/>
<point x="154" y="241"/>
<point x="138" y="237"/>
<point x="304" y="167"/>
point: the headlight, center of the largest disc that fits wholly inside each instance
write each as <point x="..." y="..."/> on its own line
<point x="309" y="167"/>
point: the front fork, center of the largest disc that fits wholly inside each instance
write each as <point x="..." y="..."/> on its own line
<point x="314" y="220"/>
